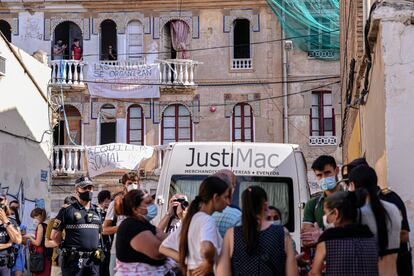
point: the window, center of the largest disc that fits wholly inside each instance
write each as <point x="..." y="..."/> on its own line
<point x="64" y="36"/>
<point x="241" y="38"/>
<point x="176" y="40"/>
<point x="135" y="125"/>
<point x="176" y="124"/>
<point x="108" y="40"/>
<point x="60" y="132"/>
<point x="242" y="123"/>
<point x="322" y="114"/>
<point x="278" y="189"/>
<point x="108" y="124"/>
<point x="5" y="29"/>
<point x="135" y="40"/>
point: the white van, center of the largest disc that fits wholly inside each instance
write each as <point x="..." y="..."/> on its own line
<point x="278" y="168"/>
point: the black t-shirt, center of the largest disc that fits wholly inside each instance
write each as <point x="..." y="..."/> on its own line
<point x="82" y="227"/>
<point x="128" y="229"/>
<point x="4" y="236"/>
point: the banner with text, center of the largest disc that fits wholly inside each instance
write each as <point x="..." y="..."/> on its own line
<point x="110" y="157"/>
<point x="123" y="81"/>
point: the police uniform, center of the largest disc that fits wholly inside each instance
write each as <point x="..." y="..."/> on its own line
<point x="7" y="257"/>
<point x="80" y="250"/>
<point x="404" y="264"/>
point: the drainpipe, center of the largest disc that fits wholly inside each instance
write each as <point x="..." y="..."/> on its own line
<point x="285" y="49"/>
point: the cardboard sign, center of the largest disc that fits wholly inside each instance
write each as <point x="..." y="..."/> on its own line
<point x="110" y="157"/>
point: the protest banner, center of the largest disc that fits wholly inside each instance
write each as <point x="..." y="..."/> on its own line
<point x="110" y="157"/>
<point x="123" y="80"/>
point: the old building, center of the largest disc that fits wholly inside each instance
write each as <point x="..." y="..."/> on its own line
<point x="25" y="136"/>
<point x="376" y="90"/>
<point x="213" y="72"/>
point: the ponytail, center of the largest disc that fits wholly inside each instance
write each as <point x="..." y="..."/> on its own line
<point x="210" y="186"/>
<point x="365" y="181"/>
<point x="191" y="211"/>
<point x="253" y="199"/>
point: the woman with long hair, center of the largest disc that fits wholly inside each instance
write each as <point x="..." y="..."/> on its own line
<point x="257" y="247"/>
<point x="197" y="244"/>
<point x="383" y="218"/>
<point x="137" y="240"/>
<point x="347" y="248"/>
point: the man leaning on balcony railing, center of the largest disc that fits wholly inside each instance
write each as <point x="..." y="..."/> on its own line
<point x="59" y="49"/>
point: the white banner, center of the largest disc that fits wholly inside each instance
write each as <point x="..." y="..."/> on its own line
<point x="110" y="157"/>
<point x="123" y="81"/>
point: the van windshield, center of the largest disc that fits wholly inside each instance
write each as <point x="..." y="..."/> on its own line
<point x="279" y="192"/>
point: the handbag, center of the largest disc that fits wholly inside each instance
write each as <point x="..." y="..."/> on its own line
<point x="36" y="261"/>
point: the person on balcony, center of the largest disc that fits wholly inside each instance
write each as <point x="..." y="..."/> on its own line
<point x="59" y="50"/>
<point x="76" y="50"/>
<point x="111" y="53"/>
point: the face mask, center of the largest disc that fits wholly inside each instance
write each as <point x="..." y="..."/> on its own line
<point x="277" y="222"/>
<point x="326" y="224"/>
<point x="86" y="196"/>
<point x="152" y="212"/>
<point x="132" y="187"/>
<point x="36" y="222"/>
<point x="327" y="183"/>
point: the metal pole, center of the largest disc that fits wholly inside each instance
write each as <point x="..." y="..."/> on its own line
<point x="285" y="84"/>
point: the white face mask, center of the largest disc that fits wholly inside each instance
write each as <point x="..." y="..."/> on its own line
<point x="132" y="187"/>
<point x="326" y="224"/>
<point x="277" y="222"/>
<point x="36" y="222"/>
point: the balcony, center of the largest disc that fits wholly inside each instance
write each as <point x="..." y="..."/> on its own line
<point x="175" y="72"/>
<point x="68" y="160"/>
<point x="322" y="140"/>
<point x="241" y="63"/>
<point x="67" y="73"/>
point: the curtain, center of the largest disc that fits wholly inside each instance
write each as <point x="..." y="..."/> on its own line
<point x="277" y="195"/>
<point x="179" y="36"/>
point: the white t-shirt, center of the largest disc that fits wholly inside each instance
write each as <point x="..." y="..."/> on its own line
<point x="202" y="228"/>
<point x="110" y="215"/>
<point x="393" y="229"/>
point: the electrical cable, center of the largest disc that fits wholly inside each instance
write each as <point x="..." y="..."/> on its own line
<point x="223" y="46"/>
<point x="201" y="84"/>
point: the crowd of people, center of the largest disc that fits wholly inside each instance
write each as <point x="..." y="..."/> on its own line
<point x="352" y="228"/>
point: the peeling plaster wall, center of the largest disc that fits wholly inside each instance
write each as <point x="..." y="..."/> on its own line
<point x="397" y="39"/>
<point x="24" y="112"/>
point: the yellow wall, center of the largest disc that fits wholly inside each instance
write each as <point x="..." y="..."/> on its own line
<point x="354" y="145"/>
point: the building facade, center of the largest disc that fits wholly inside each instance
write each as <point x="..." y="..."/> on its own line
<point x="26" y="143"/>
<point x="377" y="99"/>
<point x="216" y="74"/>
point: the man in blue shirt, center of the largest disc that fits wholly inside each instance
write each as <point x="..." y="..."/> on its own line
<point x="231" y="215"/>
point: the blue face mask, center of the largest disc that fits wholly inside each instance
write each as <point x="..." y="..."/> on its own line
<point x="277" y="222"/>
<point x="327" y="183"/>
<point x="152" y="212"/>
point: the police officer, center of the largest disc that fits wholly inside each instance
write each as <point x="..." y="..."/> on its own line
<point x="81" y="253"/>
<point x="404" y="264"/>
<point x="9" y="234"/>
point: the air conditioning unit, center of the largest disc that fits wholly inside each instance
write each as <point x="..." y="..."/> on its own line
<point x="2" y="66"/>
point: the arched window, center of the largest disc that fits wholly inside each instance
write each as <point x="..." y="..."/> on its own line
<point x="135" y="125"/>
<point x="108" y="124"/>
<point x="176" y="124"/>
<point x="64" y="36"/>
<point x="176" y="40"/>
<point x="108" y="40"/>
<point x="60" y="132"/>
<point x="5" y="29"/>
<point x="135" y="40"/>
<point x="242" y="123"/>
